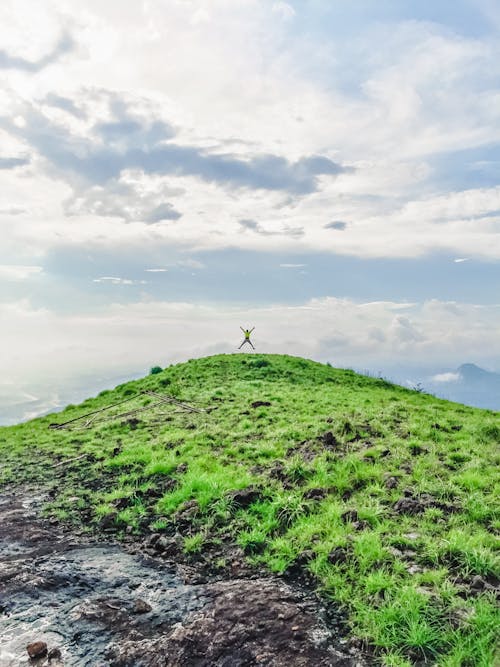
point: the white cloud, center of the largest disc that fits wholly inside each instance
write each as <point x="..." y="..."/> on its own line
<point x="243" y="79"/>
<point x="292" y="266"/>
<point x="119" y="281"/>
<point x="264" y="101"/>
<point x="446" y="377"/>
<point x="190" y="264"/>
<point x="15" y="272"/>
<point x="121" y="339"/>
<point x="285" y="10"/>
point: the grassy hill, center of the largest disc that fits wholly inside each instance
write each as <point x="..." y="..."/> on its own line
<point x="385" y="496"/>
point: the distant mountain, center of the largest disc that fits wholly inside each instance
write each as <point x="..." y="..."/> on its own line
<point x="468" y="384"/>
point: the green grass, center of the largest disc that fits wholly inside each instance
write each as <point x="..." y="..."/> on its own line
<point x="324" y="503"/>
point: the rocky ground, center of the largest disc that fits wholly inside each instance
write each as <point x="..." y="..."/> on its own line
<point x="68" y="600"/>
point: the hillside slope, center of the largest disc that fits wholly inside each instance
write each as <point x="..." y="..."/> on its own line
<point x="384" y="496"/>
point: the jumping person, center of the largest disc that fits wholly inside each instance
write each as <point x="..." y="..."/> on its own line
<point x="247" y="333"/>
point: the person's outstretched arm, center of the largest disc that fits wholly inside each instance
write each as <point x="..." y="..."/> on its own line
<point x="242" y="329"/>
<point x="252" y="329"/>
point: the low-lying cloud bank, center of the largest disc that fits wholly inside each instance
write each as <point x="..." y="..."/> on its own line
<point x="42" y="346"/>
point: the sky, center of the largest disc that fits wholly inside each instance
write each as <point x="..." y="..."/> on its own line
<point x="326" y="171"/>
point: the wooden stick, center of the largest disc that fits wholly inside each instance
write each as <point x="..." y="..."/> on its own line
<point x="171" y="399"/>
<point x="63" y="424"/>
<point x="63" y="463"/>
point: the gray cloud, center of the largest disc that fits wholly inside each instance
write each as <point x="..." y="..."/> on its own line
<point x="161" y="212"/>
<point x="253" y="226"/>
<point x="64" y="45"/>
<point x="129" y="130"/>
<point x="65" y="104"/>
<point x="131" y="141"/>
<point x="404" y="330"/>
<point x="123" y="200"/>
<point x="12" y="210"/>
<point x="13" y="162"/>
<point x="337" y="224"/>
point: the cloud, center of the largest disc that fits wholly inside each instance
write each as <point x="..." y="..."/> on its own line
<point x="252" y="226"/>
<point x="460" y="260"/>
<point x="124" y="199"/>
<point x="337" y="224"/>
<point x="119" y="281"/>
<point x="292" y="266"/>
<point x="404" y="330"/>
<point x="66" y="104"/>
<point x="446" y="377"/>
<point x="286" y="230"/>
<point x="13" y="162"/>
<point x="164" y="211"/>
<point x="12" y="210"/>
<point x="129" y="141"/>
<point x="190" y="264"/>
<point x="156" y="270"/>
<point x="64" y="45"/>
<point x="118" y="338"/>
<point x="284" y="10"/>
<point x="17" y="272"/>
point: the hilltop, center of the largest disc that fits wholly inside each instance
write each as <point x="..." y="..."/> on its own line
<point x="381" y="497"/>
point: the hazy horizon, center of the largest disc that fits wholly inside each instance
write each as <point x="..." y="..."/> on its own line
<point x="327" y="172"/>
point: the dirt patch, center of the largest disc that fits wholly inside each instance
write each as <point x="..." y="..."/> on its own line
<point x="99" y="604"/>
<point x="412" y="504"/>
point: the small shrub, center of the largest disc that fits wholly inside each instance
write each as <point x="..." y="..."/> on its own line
<point x="155" y="370"/>
<point x="259" y="363"/>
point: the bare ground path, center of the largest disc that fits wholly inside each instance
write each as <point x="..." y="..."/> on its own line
<point x="101" y="604"/>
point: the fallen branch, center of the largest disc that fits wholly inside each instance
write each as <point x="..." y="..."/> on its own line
<point x="63" y="463"/>
<point x="107" y="407"/>
<point x="171" y="399"/>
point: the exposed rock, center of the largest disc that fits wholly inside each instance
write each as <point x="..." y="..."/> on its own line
<point x="95" y="604"/>
<point x="187" y="512"/>
<point x="151" y="540"/>
<point x="37" y="650"/>
<point x="107" y="522"/>
<point x="167" y="546"/>
<point x="141" y="607"/>
<point x="54" y="655"/>
<point x="260" y="404"/>
<point x="246" y="623"/>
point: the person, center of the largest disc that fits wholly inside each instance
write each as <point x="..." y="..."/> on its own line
<point x="247" y="333"/>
